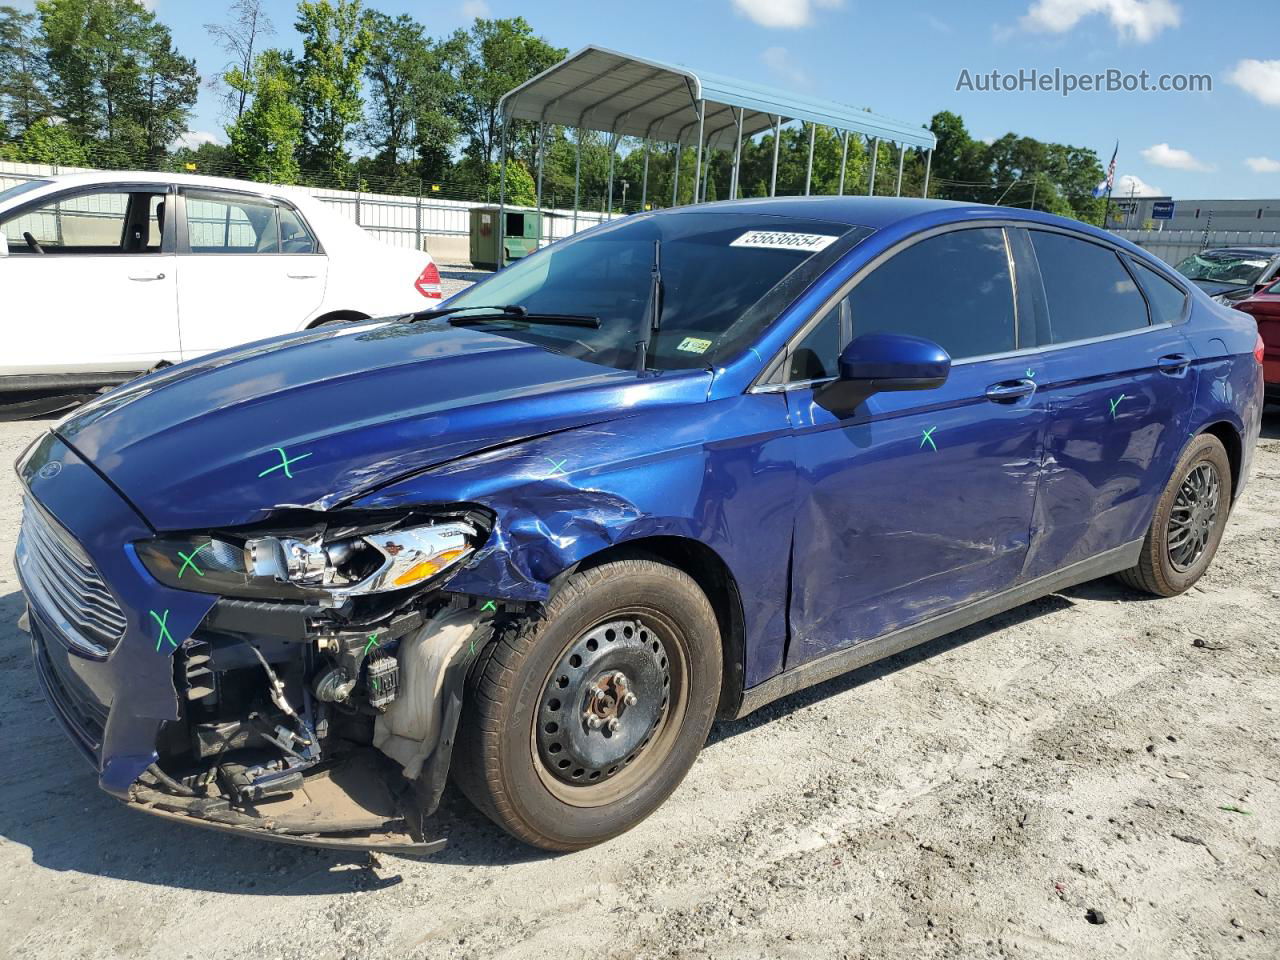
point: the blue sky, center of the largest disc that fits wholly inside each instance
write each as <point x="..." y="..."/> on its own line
<point x="904" y="59"/>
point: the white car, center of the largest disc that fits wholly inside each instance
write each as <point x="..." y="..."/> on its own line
<point x="106" y="275"/>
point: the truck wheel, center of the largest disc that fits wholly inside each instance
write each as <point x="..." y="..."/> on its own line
<point x="579" y="724"/>
<point x="1188" y="522"/>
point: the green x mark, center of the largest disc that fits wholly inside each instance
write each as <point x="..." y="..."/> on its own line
<point x="557" y="467"/>
<point x="164" y="630"/>
<point x="284" y="463"/>
<point x="371" y="645"/>
<point x="1115" y="403"/>
<point x="927" y="437"/>
<point x="190" y="561"/>
<point x="490" y="605"/>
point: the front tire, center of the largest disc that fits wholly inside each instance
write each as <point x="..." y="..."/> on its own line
<point x="1188" y="524"/>
<point x="578" y="725"/>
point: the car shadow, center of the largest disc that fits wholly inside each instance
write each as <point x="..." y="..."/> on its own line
<point x="847" y="682"/>
<point x="1271" y="422"/>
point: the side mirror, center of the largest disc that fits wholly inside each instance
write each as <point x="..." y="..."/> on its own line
<point x="894" y="361"/>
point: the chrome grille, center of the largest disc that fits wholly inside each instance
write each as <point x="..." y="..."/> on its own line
<point x="64" y="585"/>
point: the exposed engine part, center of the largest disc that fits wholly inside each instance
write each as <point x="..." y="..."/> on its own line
<point x="382" y="680"/>
<point x="333" y="685"/>
<point x="409" y="729"/>
<point x="251" y="784"/>
<point x="275" y="688"/>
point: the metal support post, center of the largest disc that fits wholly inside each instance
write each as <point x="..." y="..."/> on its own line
<point x="808" y="173"/>
<point x="737" y="160"/>
<point x="697" y="170"/>
<point x="928" y="162"/>
<point x="902" y="158"/>
<point x="871" y="176"/>
<point x="844" y="158"/>
<point x="773" y="176"/>
<point x="577" y="175"/>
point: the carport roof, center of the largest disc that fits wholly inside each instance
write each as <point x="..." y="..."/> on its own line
<point x="602" y="89"/>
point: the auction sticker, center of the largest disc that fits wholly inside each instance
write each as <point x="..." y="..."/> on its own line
<point x="784" y="240"/>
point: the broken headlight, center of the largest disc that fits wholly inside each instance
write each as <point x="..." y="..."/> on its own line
<point x="313" y="567"/>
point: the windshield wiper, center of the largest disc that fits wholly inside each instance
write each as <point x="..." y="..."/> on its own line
<point x="654" y="319"/>
<point x="510" y="311"/>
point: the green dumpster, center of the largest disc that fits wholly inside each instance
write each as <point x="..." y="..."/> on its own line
<point x="523" y="229"/>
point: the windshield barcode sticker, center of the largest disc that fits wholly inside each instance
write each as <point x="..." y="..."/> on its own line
<point x="783" y="240"/>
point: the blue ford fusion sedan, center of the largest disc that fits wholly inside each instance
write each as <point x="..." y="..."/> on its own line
<point x="669" y="470"/>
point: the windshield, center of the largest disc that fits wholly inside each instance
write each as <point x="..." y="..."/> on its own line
<point x="725" y="277"/>
<point x="1239" y="268"/>
<point x="19" y="188"/>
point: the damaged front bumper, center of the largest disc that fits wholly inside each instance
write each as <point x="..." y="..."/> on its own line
<point x="288" y="722"/>
<point x="355" y="799"/>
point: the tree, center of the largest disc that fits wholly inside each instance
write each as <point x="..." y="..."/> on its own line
<point x="22" y="100"/>
<point x="169" y="89"/>
<point x="47" y="142"/>
<point x="335" y="47"/>
<point x="265" y="140"/>
<point x="494" y="57"/>
<point x="411" y="97"/>
<point x="239" y="39"/>
<point x="114" y="76"/>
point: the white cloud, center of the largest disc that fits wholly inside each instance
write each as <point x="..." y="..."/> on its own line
<point x="1131" y="186"/>
<point x="788" y="14"/>
<point x="1140" y="20"/>
<point x="1262" y="164"/>
<point x="940" y="25"/>
<point x="1163" y="155"/>
<point x="475" y="9"/>
<point x="193" y="138"/>
<point x="779" y="62"/>
<point x="1259" y="78"/>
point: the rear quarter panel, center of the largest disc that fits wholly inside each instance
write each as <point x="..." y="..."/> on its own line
<point x="1229" y="381"/>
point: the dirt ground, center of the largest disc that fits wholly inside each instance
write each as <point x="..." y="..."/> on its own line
<point x="1093" y="775"/>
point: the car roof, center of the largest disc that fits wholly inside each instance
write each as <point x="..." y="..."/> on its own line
<point x="879" y="213"/>
<point x="95" y="178"/>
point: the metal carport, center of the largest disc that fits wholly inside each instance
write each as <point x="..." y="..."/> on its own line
<point x="626" y="96"/>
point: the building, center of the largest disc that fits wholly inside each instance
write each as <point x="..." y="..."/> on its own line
<point x="1135" y="213"/>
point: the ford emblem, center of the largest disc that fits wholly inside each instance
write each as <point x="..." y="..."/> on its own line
<point x="50" y="470"/>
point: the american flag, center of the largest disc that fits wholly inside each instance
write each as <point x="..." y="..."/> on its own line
<point x="1105" y="186"/>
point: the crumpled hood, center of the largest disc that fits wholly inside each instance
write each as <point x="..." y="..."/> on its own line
<point x="311" y="420"/>
<point x="1215" y="288"/>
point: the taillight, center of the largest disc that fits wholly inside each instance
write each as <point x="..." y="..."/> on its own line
<point x="1259" y="348"/>
<point x="428" y="282"/>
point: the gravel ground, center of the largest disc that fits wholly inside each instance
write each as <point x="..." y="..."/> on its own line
<point x="1092" y="775"/>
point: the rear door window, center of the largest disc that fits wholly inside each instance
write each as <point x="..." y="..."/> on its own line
<point x="1089" y="291"/>
<point x="294" y="235"/>
<point x="227" y="223"/>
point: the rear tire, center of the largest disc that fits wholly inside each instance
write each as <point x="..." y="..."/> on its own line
<point x="1188" y="524"/>
<point x="578" y="725"/>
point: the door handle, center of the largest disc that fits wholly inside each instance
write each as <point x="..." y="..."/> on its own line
<point x="1010" y="390"/>
<point x="144" y="277"/>
<point x="301" y="276"/>
<point x="1173" y="363"/>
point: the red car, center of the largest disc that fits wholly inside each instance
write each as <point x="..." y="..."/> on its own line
<point x="1264" y="306"/>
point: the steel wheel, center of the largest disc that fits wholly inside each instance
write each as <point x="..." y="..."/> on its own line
<point x="1193" y="515"/>
<point x="610" y="707"/>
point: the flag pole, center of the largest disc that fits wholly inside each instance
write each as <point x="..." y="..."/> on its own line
<point x="1111" y="181"/>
